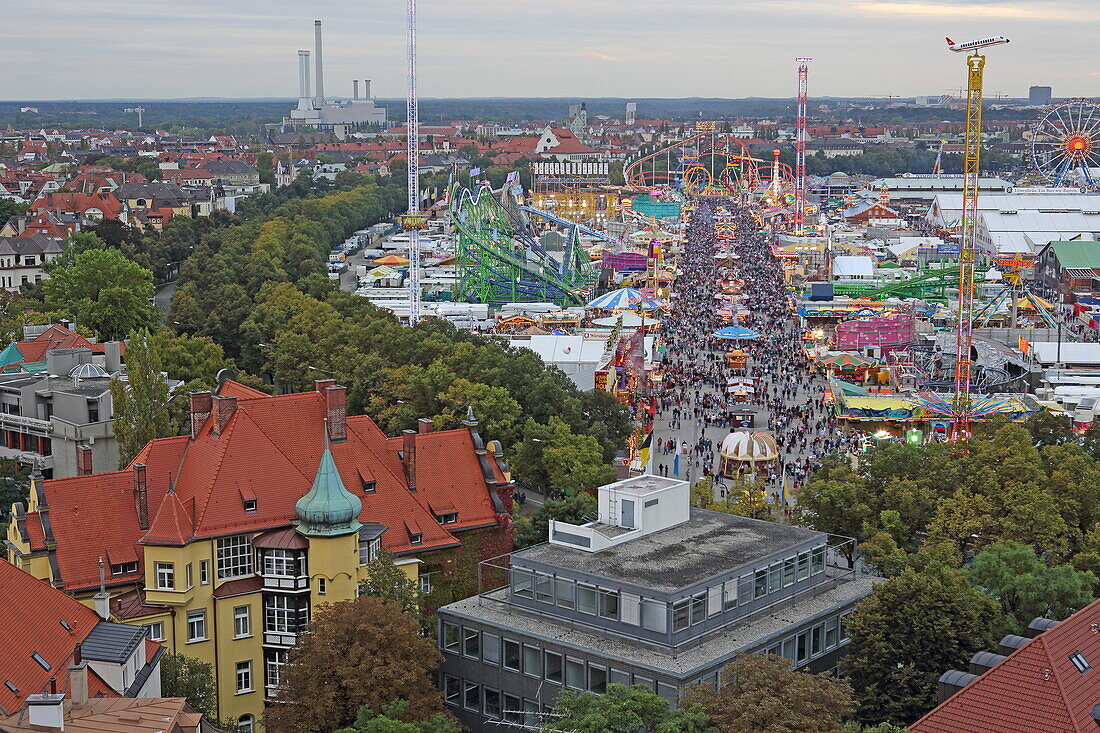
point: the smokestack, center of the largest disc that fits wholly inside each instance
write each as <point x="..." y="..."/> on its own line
<point x="304" y="100"/>
<point x="319" y="98"/>
<point x="355" y="89"/>
<point x="366" y="89"/>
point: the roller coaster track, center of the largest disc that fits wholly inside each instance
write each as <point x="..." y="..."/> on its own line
<point x="500" y="259"/>
<point x="930" y="285"/>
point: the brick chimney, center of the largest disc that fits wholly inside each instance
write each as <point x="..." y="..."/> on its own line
<point x="425" y="425"/>
<point x="141" y="496"/>
<point x="409" y="447"/>
<point x="336" y="399"/>
<point x="78" y="678"/>
<point x="224" y="407"/>
<point x="83" y="460"/>
<point x="200" y="410"/>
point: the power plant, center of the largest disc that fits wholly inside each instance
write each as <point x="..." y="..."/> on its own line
<point x="315" y="113"/>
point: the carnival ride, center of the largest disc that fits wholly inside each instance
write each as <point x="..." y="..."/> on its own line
<point x="798" y="220"/>
<point x="707" y="163"/>
<point x="927" y="284"/>
<point x="1013" y="295"/>
<point x="1065" y="142"/>
<point x="500" y="258"/>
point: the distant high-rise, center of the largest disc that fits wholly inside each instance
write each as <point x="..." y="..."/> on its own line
<point x="631" y="112"/>
<point x="1039" y="95"/>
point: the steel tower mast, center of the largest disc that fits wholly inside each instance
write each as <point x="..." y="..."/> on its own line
<point x="801" y="136"/>
<point x="413" y="221"/>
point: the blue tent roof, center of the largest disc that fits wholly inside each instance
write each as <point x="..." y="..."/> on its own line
<point x="621" y="298"/>
<point x="736" y="332"/>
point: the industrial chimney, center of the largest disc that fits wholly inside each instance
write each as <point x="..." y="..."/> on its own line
<point x="304" y="100"/>
<point x="319" y="98"/>
<point x="355" y="89"/>
<point x="366" y="89"/>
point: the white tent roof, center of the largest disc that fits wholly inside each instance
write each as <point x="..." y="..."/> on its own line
<point x="853" y="266"/>
<point x="1072" y="352"/>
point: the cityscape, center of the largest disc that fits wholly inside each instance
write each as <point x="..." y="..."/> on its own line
<point x="354" y="402"/>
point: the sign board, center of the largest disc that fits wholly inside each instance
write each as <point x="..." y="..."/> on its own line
<point x="569" y="168"/>
<point x="702" y="126"/>
<point x="409" y="222"/>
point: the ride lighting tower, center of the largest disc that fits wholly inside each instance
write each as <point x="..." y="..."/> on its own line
<point x="801" y="136"/>
<point x="413" y="221"/>
<point x="962" y="405"/>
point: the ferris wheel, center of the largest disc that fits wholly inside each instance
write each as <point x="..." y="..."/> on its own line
<point x="1065" y="142"/>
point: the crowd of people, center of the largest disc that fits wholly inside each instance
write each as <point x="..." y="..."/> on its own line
<point x="695" y="397"/>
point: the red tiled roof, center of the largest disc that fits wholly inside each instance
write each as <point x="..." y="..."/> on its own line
<point x="231" y="388"/>
<point x="1037" y="689"/>
<point x="54" y="337"/>
<point x="269" y="449"/>
<point x="132" y="604"/>
<point x="79" y="203"/>
<point x="31" y="617"/>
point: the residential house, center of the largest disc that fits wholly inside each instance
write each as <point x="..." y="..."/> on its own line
<point x="224" y="542"/>
<point x="94" y="206"/>
<point x="23" y="258"/>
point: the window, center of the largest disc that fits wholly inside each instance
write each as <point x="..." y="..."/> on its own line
<point x="450" y="637"/>
<point x="449" y="518"/>
<point x="472" y="697"/>
<point x="574" y="673"/>
<point x="124" y="568"/>
<point x="760" y="584"/>
<point x="492" y="703"/>
<point x="280" y="563"/>
<point x="817" y="639"/>
<point x="250" y="505"/>
<point x="369" y="487"/>
<point x="552" y="667"/>
<point x="597" y="679"/>
<point x="204" y="572"/>
<point x="817" y="561"/>
<point x="41" y="661"/>
<point x="281" y="616"/>
<point x="368" y="550"/>
<point x="322" y="586"/>
<point x="196" y="625"/>
<point x="415" y="538"/>
<point x="532" y="660"/>
<point x="471" y="643"/>
<point x="618" y="677"/>
<point x="244" y="676"/>
<point x="188" y="577"/>
<point x="531" y="714"/>
<point x="788" y="648"/>
<point x="490" y="648"/>
<point x="775" y="577"/>
<point x="242" y="622"/>
<point x="1080" y="662"/>
<point x="512" y="711"/>
<point x="698" y="608"/>
<point x="644" y="682"/>
<point x="803" y="565"/>
<point x="246" y="724"/>
<point x="452" y="690"/>
<point x="681" y="614"/>
<point x="609" y="604"/>
<point x="565" y="592"/>
<point x="544" y="588"/>
<point x="844" y="628"/>
<point x="803" y="647"/>
<point x="155" y="631"/>
<point x="276" y="663"/>
<point x="424" y="582"/>
<point x="586" y="598"/>
<point x="511" y="655"/>
<point x="789" y="570"/>
<point x="166" y="574"/>
<point x="831" y="635"/>
<point x="234" y="556"/>
<point x="523" y="583"/>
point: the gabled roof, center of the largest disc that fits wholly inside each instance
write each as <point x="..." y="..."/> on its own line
<point x="1077" y="254"/>
<point x="31" y="618"/>
<point x="1037" y="689"/>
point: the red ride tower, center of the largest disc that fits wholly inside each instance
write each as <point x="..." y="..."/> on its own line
<point x="801" y="136"/>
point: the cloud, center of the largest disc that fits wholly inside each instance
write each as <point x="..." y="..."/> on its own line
<point x="598" y="55"/>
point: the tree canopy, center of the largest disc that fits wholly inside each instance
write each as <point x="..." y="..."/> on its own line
<point x="140" y="402"/>
<point x="622" y="709"/>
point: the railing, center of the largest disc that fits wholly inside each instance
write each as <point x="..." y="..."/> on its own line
<point x="7" y="419"/>
<point x="285" y="582"/>
<point x="281" y="638"/>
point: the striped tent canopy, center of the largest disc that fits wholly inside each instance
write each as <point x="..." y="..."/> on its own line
<point x="621" y="299"/>
<point x="844" y="360"/>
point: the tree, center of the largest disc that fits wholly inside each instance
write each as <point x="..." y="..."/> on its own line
<point x="535" y="528"/>
<point x="763" y="693"/>
<point x="9" y="208"/>
<point x="361" y="652"/>
<point x="553" y="457"/>
<point x="1026" y="587"/>
<point x="141" y="402"/>
<point x="391" y="719"/>
<point x="388" y="582"/>
<point x="183" y="676"/>
<point x="622" y="709"/>
<point x="104" y="291"/>
<point x="14" y="484"/>
<point x="907" y="632"/>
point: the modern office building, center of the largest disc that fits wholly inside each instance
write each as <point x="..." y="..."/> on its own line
<point x="653" y="592"/>
<point x="1039" y="95"/>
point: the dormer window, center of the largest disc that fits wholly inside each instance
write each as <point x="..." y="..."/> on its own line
<point x="250" y="505"/>
<point x="368" y="486"/>
<point x="450" y="518"/>
<point x="415" y="538"/>
<point x="124" y="568"/>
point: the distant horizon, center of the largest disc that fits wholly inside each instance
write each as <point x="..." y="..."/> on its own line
<point x="569" y="99"/>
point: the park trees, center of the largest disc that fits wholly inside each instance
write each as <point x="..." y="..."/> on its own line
<point x="102" y="290"/>
<point x="190" y="678"/>
<point x="140" y="402"/>
<point x="911" y="629"/>
<point x="535" y="527"/>
<point x="362" y="652"/>
<point x="763" y="693"/>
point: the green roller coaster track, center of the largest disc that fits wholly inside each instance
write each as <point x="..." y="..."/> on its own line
<point x="500" y="260"/>
<point x="929" y="286"/>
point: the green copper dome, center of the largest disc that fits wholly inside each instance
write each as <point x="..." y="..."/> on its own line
<point x="329" y="509"/>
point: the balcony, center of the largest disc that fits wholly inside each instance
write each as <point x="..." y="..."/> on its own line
<point x="286" y="582"/>
<point x="20" y="423"/>
<point x="280" y="638"/>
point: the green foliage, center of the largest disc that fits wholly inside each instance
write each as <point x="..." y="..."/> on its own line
<point x="762" y="693"/>
<point x="1027" y="587"/>
<point x="553" y="457"/>
<point x="14" y="484"/>
<point x="387" y="581"/>
<point x="9" y="208"/>
<point x="141" y="402"/>
<point x="103" y="290"/>
<point x="622" y="709"/>
<point x="534" y="528"/>
<point x="391" y="719"/>
<point x="910" y="630"/>
<point x="183" y="676"/>
<point x="744" y="496"/>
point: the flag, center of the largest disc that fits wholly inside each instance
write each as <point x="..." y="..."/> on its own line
<point x="474" y="172"/>
<point x="643" y="450"/>
<point x="1024" y="346"/>
<point x="1074" y="239"/>
<point x="512" y="175"/>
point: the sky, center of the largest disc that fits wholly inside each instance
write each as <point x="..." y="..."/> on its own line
<point x="89" y="49"/>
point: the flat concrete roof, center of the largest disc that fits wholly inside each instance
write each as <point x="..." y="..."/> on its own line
<point x="706" y="545"/>
<point x="684" y="662"/>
